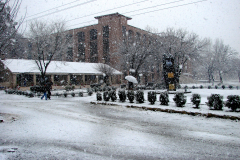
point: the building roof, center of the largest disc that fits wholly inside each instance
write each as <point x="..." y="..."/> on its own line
<point x="113" y="14"/>
<point x="55" y="67"/>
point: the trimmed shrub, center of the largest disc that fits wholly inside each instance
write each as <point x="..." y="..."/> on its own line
<point x="130" y="95"/>
<point x="73" y="94"/>
<point x="209" y="87"/>
<point x="90" y="92"/>
<point x="106" y="96"/>
<point x="80" y="94"/>
<point x="99" y="96"/>
<point x="237" y="87"/>
<point x="113" y="95"/>
<point x="163" y="98"/>
<point x="215" y="101"/>
<point x="122" y="95"/>
<point x="30" y="95"/>
<point x="152" y="97"/>
<point x="69" y="88"/>
<point x="107" y="88"/>
<point x="201" y="86"/>
<point x="233" y="102"/>
<point x="216" y="87"/>
<point x="180" y="99"/>
<point x="196" y="100"/>
<point x="230" y="87"/>
<point x="65" y="94"/>
<point x="223" y="87"/>
<point x="193" y="87"/>
<point x="140" y="96"/>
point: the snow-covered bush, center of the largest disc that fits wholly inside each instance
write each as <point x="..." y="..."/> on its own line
<point x="140" y="96"/>
<point x="201" y="86"/>
<point x="106" y="96"/>
<point x="30" y="95"/>
<point x="90" y="92"/>
<point x="230" y="87"/>
<point x="223" y="87"/>
<point x="122" y="95"/>
<point x="196" y="100"/>
<point x="237" y="87"/>
<point x="130" y="95"/>
<point x="215" y="101"/>
<point x="73" y="94"/>
<point x="163" y="98"/>
<point x="65" y="94"/>
<point x="152" y="97"/>
<point x="193" y="87"/>
<point x="216" y="87"/>
<point x="107" y="88"/>
<point x="113" y="95"/>
<point x="180" y="99"/>
<point x="99" y="96"/>
<point x="233" y="102"/>
<point x="114" y="88"/>
<point x="69" y="88"/>
<point x="80" y="94"/>
<point x="209" y="87"/>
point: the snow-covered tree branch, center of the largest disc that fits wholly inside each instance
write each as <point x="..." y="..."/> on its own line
<point x="49" y="43"/>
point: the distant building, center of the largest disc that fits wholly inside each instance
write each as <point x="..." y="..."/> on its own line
<point x="98" y="43"/>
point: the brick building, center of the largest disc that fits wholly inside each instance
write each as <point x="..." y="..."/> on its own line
<point x="99" y="42"/>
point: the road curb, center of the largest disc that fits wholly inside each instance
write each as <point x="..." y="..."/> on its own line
<point x="207" y="115"/>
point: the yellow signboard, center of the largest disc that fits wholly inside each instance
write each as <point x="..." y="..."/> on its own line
<point x="170" y="75"/>
<point x="171" y="86"/>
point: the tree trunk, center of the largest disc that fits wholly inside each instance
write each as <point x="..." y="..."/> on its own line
<point x="220" y="76"/>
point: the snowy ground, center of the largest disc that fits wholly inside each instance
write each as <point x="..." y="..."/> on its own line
<point x="72" y="128"/>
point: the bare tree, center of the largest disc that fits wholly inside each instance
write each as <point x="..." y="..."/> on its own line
<point x="183" y="46"/>
<point x="106" y="70"/>
<point x="217" y="61"/>
<point x="48" y="41"/>
<point x="8" y="24"/>
<point x="135" y="54"/>
<point x="223" y="57"/>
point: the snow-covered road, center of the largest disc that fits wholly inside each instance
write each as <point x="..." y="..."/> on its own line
<point x="72" y="128"/>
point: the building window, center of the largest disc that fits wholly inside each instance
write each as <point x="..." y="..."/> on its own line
<point x="106" y="50"/>
<point x="130" y="36"/>
<point x="70" y="54"/>
<point x="138" y="35"/>
<point x="81" y="36"/>
<point x="69" y="38"/>
<point x="93" y="34"/>
<point x="81" y="52"/>
<point x="93" y="52"/>
<point x="105" y="31"/>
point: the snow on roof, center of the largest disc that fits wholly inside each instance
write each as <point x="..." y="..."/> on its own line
<point x="55" y="67"/>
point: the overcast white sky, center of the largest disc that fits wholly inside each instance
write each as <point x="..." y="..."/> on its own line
<point x="207" y="18"/>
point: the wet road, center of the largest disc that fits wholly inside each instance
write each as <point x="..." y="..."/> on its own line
<point x="67" y="128"/>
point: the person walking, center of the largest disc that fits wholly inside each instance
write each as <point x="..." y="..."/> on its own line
<point x="44" y="90"/>
<point x="48" y="88"/>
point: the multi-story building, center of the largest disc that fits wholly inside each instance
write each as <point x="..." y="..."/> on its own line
<point x="99" y="42"/>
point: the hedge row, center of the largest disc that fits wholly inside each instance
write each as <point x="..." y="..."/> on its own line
<point x="215" y="101"/>
<point x="211" y="87"/>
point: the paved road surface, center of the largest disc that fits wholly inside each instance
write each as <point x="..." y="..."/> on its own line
<point x="66" y="128"/>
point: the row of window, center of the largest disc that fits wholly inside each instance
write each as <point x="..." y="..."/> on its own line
<point x="129" y="35"/>
<point x="93" y="34"/>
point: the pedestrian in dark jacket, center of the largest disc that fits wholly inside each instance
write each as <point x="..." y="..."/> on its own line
<point x="48" y="88"/>
<point x="44" y="90"/>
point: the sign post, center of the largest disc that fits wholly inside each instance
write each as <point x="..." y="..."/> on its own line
<point x="169" y="72"/>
